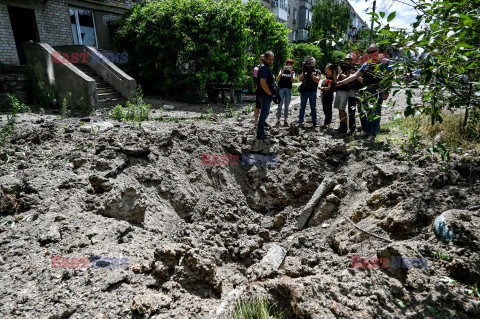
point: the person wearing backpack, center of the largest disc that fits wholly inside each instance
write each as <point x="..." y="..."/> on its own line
<point x="372" y="73"/>
<point x="256" y="81"/>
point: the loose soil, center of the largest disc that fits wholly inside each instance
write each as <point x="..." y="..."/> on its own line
<point x="177" y="238"/>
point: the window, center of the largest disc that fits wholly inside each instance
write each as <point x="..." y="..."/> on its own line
<point x="83" y="27"/>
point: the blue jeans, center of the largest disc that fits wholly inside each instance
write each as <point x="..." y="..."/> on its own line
<point x="373" y="114"/>
<point x="286" y="96"/>
<point x="265" y="101"/>
<point x="327" y="102"/>
<point x="312" y="96"/>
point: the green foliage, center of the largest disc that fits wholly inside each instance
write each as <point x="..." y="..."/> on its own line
<point x="444" y="45"/>
<point x="65" y="110"/>
<point x="264" y="34"/>
<point x="257" y="308"/>
<point x="9" y="127"/>
<point x="298" y="51"/>
<point x="41" y="94"/>
<point x="440" y="256"/>
<point x="180" y="47"/>
<point x="442" y="149"/>
<point x="117" y="113"/>
<point x="331" y="19"/>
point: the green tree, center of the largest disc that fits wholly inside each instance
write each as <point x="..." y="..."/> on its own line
<point x="331" y="19"/>
<point x="181" y="47"/>
<point x="444" y="44"/>
<point x="265" y="34"/>
<point x="301" y="50"/>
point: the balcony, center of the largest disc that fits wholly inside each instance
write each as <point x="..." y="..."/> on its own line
<point x="306" y="4"/>
<point x="281" y="14"/>
<point x="301" y="35"/>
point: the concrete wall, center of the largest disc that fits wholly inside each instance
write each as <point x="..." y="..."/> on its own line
<point x="119" y="80"/>
<point x="64" y="78"/>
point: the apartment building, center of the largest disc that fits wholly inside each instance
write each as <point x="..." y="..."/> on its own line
<point x="297" y="16"/>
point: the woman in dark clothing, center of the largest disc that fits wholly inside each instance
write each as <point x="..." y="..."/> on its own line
<point x="328" y="88"/>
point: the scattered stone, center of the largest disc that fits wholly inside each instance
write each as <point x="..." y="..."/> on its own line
<point x="52" y="235"/>
<point x="279" y="221"/>
<point x="150" y="304"/>
<point x="440" y="226"/>
<point x="333" y="199"/>
<point x="99" y="184"/>
<point x="79" y="162"/>
<point x="275" y="256"/>
<point x="96" y="127"/>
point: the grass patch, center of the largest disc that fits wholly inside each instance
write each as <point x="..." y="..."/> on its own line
<point x="295" y="91"/>
<point x="416" y="134"/>
<point x="257" y="308"/>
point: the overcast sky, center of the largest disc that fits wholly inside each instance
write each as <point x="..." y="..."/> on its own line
<point x="405" y="15"/>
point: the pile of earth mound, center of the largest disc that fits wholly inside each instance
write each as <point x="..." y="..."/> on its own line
<point x="114" y="220"/>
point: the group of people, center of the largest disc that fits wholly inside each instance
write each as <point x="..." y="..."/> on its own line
<point x="340" y="90"/>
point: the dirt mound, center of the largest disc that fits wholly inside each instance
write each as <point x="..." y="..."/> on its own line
<point x="176" y="235"/>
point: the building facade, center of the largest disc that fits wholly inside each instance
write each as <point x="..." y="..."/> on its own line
<point x="297" y="16"/>
<point x="56" y="22"/>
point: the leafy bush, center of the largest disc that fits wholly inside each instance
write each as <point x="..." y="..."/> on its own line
<point x="117" y="113"/>
<point x="301" y="50"/>
<point x="40" y="94"/>
<point x="331" y="19"/>
<point x="134" y="112"/>
<point x="444" y="45"/>
<point x="181" y="47"/>
<point x="9" y="127"/>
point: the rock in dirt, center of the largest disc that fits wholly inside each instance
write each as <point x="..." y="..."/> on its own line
<point x="323" y="212"/>
<point x="405" y="263"/>
<point x="326" y="185"/>
<point x="440" y="226"/>
<point x="150" y="304"/>
<point x="96" y="127"/>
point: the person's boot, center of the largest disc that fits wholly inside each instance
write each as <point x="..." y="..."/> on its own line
<point x="342" y="129"/>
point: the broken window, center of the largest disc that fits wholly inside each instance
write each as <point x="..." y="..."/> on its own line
<point x="83" y="27"/>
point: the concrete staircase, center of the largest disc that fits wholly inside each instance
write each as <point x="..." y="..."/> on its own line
<point x="107" y="95"/>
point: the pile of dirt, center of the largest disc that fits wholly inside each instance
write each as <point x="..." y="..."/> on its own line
<point x="113" y="220"/>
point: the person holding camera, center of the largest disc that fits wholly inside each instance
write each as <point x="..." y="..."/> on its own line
<point x="328" y="88"/>
<point x="308" y="90"/>
<point x="265" y="93"/>
<point x="372" y="73"/>
<point x="285" y="80"/>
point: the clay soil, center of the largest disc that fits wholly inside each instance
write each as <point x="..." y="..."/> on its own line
<point x="179" y="239"/>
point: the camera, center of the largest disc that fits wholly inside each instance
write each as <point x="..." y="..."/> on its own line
<point x="345" y="66"/>
<point x="308" y="67"/>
